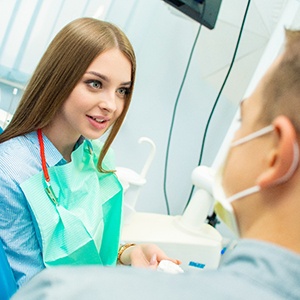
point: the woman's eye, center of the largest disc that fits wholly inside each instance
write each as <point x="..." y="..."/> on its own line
<point x="123" y="91"/>
<point x="96" y="84"/>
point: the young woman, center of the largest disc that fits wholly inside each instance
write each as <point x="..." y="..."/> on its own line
<point x="60" y="200"/>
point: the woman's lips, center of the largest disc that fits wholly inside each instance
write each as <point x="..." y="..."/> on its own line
<point x="98" y="122"/>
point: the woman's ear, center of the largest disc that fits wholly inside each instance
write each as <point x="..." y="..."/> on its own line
<point x="283" y="159"/>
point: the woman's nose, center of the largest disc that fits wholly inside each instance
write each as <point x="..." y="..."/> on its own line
<point x="108" y="101"/>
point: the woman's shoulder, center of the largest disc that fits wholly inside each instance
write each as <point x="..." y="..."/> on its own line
<point x="11" y="147"/>
<point x="17" y="146"/>
<point x="19" y="155"/>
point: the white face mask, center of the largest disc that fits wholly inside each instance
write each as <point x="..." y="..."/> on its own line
<point x="223" y="206"/>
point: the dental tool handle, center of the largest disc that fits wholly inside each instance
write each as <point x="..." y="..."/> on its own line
<point x="202" y="178"/>
<point x="150" y="157"/>
<point x="197" y="210"/>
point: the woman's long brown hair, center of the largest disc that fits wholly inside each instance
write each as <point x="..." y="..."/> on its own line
<point x="59" y="70"/>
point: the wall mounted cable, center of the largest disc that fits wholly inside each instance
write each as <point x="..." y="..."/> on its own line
<point x="173" y="119"/>
<point x="219" y="95"/>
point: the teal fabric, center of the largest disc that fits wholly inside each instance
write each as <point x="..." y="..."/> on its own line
<point x="8" y="284"/>
<point x="84" y="228"/>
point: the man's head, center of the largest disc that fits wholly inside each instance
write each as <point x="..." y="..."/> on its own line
<point x="281" y="91"/>
<point x="268" y="161"/>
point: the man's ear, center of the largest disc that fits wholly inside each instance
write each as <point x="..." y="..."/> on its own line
<point x="281" y="162"/>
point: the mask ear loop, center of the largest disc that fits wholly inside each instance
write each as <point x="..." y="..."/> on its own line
<point x="244" y="193"/>
<point x="283" y="179"/>
<point x="253" y="135"/>
<point x="256" y="188"/>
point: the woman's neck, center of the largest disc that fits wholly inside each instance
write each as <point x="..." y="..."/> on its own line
<point x="62" y="141"/>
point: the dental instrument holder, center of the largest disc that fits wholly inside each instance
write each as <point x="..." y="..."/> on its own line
<point x="188" y="238"/>
<point x="132" y="182"/>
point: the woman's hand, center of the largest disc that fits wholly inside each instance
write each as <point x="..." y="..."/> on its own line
<point x="144" y="255"/>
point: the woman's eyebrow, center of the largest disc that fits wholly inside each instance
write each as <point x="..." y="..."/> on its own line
<point x="105" y="78"/>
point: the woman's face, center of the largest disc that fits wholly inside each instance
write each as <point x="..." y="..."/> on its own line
<point x="98" y="98"/>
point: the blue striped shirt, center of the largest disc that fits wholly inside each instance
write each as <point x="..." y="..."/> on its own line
<point x="19" y="160"/>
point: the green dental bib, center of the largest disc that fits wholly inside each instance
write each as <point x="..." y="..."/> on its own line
<point x="84" y="227"/>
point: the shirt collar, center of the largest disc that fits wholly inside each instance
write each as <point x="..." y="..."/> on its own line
<point x="53" y="156"/>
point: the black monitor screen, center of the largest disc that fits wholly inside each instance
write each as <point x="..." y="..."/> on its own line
<point x="203" y="11"/>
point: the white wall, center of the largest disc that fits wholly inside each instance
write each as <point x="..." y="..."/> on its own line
<point x="163" y="41"/>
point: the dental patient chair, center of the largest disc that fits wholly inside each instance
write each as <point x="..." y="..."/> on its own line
<point x="8" y="284"/>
